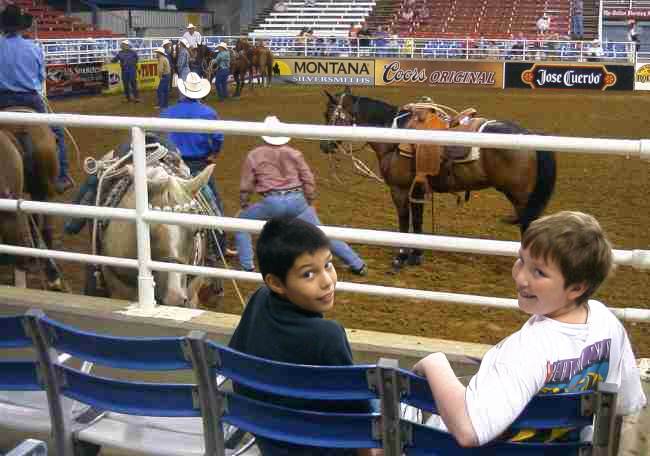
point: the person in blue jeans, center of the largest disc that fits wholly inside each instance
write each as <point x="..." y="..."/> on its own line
<point x="22" y="74"/>
<point x="164" y="74"/>
<point x="221" y="63"/>
<point x="280" y="174"/>
<point x="128" y="59"/>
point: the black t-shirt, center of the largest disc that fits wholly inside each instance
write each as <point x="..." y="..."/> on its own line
<point x="276" y="329"/>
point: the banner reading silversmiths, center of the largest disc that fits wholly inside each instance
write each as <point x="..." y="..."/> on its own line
<point x="324" y="71"/>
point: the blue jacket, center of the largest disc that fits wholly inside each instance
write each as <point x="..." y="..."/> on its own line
<point x="22" y="66"/>
<point x="128" y="59"/>
<point x="194" y="146"/>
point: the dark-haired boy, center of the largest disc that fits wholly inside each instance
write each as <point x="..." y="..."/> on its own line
<point x="283" y="320"/>
<point x="570" y="343"/>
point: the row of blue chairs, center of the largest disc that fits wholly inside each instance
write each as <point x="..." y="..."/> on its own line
<point x="89" y="411"/>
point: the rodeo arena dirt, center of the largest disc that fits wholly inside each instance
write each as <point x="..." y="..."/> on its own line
<point x="539" y="96"/>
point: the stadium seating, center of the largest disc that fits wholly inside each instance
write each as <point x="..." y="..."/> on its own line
<point x="50" y="23"/>
<point x="148" y="417"/>
<point x="331" y="17"/>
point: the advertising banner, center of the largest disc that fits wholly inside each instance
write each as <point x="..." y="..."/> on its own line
<point x="78" y="79"/>
<point x="324" y="71"/>
<point x="624" y="13"/>
<point x="392" y="72"/>
<point x="569" y="76"/>
<point x="147" y="76"/>
<point x="642" y="76"/>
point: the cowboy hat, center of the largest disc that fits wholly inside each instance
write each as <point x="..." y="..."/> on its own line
<point x="423" y="102"/>
<point x="13" y="20"/>
<point x="222" y="45"/>
<point x="184" y="42"/>
<point x="271" y="121"/>
<point x="160" y="50"/>
<point x="194" y="86"/>
<point x="190" y="25"/>
<point x="125" y="42"/>
<point x="166" y="42"/>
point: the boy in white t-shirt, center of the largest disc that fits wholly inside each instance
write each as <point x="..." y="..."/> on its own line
<point x="569" y="344"/>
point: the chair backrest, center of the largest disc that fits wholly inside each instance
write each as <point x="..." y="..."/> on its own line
<point x="129" y="397"/>
<point x="16" y="375"/>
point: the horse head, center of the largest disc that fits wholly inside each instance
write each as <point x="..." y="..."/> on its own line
<point x="340" y="111"/>
<point x="169" y="243"/>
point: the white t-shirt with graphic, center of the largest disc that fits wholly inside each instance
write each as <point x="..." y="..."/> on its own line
<point x="547" y="356"/>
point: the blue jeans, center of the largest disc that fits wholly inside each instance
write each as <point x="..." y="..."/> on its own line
<point x="289" y="205"/>
<point x="33" y="100"/>
<point x="130" y="84"/>
<point x="577" y="23"/>
<point x="196" y="165"/>
<point x="163" y="91"/>
<point x="221" y="82"/>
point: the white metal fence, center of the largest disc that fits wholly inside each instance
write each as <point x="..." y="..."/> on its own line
<point x="143" y="216"/>
<point x="74" y="51"/>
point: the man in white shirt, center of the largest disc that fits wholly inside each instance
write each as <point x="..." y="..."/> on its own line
<point x="193" y="37"/>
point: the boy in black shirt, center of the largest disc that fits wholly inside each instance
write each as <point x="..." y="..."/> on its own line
<point x="283" y="320"/>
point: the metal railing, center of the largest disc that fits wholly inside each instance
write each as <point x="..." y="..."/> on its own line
<point x="143" y="216"/>
<point x="79" y="51"/>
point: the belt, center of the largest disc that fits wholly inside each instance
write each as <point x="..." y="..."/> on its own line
<point x="282" y="192"/>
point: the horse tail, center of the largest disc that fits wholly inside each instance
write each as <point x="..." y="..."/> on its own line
<point x="543" y="190"/>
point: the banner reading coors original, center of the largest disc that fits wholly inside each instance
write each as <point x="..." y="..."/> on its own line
<point x="429" y="73"/>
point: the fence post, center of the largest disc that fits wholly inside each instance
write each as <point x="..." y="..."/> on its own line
<point x="146" y="283"/>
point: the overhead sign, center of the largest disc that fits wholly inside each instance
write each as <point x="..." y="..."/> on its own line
<point x="569" y="76"/>
<point x="325" y="71"/>
<point x="438" y="73"/>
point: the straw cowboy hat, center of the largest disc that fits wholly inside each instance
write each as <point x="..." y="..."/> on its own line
<point x="160" y="50"/>
<point x="184" y="42"/>
<point x="13" y="20"/>
<point x="271" y="121"/>
<point x="423" y="103"/>
<point x="125" y="42"/>
<point x="166" y="42"/>
<point x="190" y="25"/>
<point x="222" y="45"/>
<point x="194" y="86"/>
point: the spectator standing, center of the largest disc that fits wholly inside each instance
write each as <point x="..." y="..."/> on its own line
<point x="577" y="19"/>
<point x="633" y="34"/>
<point x="280" y="174"/>
<point x="164" y="74"/>
<point x="364" y="38"/>
<point x="381" y="41"/>
<point x="543" y="24"/>
<point x="182" y="59"/>
<point x="222" y="65"/>
<point x="128" y="59"/>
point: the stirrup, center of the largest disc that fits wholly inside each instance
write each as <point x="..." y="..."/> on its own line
<point x="418" y="200"/>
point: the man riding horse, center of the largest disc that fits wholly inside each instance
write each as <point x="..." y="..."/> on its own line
<point x="22" y="74"/>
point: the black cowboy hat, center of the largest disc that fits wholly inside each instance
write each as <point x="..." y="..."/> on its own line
<point x="13" y="20"/>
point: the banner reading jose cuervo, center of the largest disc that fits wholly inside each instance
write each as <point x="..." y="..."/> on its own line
<point x="429" y="73"/>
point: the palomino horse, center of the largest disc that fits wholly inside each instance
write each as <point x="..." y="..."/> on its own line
<point x="526" y="178"/>
<point x="15" y="229"/>
<point x="169" y="243"/>
<point x="263" y="63"/>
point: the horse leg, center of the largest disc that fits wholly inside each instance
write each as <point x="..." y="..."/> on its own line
<point x="401" y="201"/>
<point x="415" y="257"/>
<point x="54" y="281"/>
<point x="20" y="278"/>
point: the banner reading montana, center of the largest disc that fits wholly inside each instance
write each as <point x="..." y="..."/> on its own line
<point x="325" y="71"/>
<point x="438" y="73"/>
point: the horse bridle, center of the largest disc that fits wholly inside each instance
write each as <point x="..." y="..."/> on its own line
<point x="340" y="113"/>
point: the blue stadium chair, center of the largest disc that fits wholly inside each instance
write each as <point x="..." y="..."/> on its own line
<point x="545" y="411"/>
<point x="148" y="418"/>
<point x="29" y="447"/>
<point x="23" y="405"/>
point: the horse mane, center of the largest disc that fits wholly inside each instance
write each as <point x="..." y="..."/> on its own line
<point x="378" y="113"/>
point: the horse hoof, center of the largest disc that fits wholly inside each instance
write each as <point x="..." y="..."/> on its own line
<point x="56" y="285"/>
<point x="415" y="260"/>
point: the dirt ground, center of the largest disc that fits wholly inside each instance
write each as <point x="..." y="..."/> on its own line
<point x="614" y="189"/>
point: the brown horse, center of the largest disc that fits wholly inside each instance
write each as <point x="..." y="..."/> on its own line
<point x="40" y="181"/>
<point x="526" y="178"/>
<point x="263" y="64"/>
